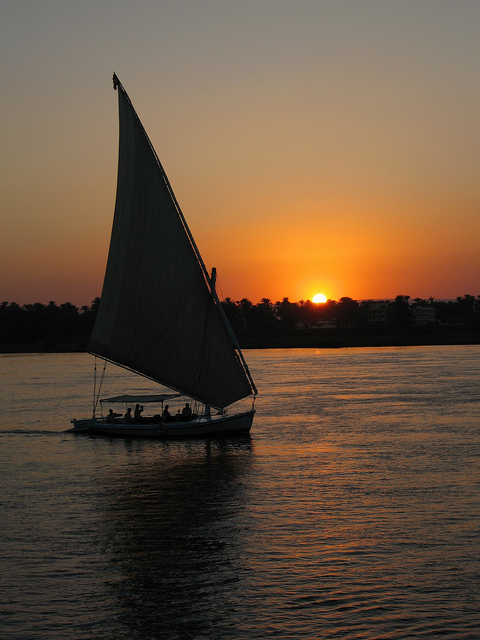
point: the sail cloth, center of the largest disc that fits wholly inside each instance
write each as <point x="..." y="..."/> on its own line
<point x="157" y="315"/>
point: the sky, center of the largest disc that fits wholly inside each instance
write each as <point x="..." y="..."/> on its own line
<point x="313" y="146"/>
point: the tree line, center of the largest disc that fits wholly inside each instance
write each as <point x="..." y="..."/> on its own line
<point x="267" y="318"/>
<point x="37" y="327"/>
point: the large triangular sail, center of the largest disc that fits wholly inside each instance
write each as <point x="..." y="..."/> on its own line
<point x="157" y="315"/>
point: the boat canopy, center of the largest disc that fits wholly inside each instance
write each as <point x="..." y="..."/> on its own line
<point x="157" y="315"/>
<point x="131" y="399"/>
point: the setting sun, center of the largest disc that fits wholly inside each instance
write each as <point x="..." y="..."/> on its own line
<point x="319" y="298"/>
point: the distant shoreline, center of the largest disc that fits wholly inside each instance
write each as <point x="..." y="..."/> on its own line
<point x="448" y="336"/>
<point x="342" y="342"/>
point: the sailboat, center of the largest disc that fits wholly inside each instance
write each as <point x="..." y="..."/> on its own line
<point x="159" y="314"/>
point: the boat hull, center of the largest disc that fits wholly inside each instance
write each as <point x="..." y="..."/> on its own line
<point x="201" y="427"/>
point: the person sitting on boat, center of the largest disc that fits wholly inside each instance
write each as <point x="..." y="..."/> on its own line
<point x="166" y="415"/>
<point x="186" y="412"/>
<point x="128" y="416"/>
<point x="111" y="416"/>
<point x="137" y="416"/>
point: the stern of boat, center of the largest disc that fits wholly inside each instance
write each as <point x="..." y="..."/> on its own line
<point x="81" y="426"/>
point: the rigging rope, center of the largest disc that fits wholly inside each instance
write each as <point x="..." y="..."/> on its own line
<point x="96" y="395"/>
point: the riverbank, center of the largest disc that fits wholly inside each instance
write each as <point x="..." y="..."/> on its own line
<point x="363" y="337"/>
<point x="332" y="339"/>
<point x="338" y="342"/>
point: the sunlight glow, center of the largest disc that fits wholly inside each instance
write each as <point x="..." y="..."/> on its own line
<point x="319" y="298"/>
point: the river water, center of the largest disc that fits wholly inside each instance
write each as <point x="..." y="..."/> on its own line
<point x="353" y="511"/>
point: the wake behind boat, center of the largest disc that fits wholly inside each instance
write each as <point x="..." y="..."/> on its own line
<point x="159" y="314"/>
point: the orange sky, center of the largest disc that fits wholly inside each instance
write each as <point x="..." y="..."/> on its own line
<point x="313" y="147"/>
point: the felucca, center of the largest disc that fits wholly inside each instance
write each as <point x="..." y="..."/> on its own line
<point x="159" y="314"/>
